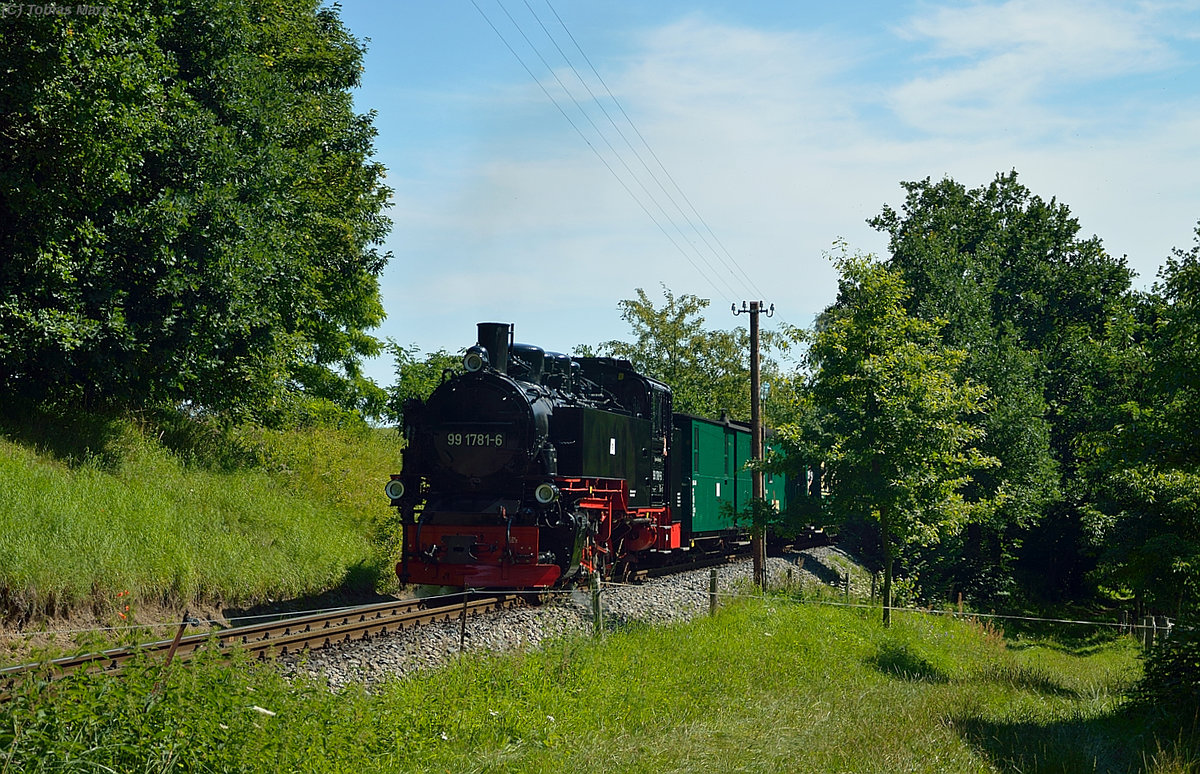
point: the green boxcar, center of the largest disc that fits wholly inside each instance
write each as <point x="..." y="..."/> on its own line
<point x="710" y="472"/>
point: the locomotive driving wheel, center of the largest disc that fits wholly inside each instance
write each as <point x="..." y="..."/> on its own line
<point x="623" y="571"/>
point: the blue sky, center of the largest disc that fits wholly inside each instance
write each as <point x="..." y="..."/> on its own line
<point x="781" y="126"/>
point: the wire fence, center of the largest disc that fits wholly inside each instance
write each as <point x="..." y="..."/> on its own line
<point x="1149" y="630"/>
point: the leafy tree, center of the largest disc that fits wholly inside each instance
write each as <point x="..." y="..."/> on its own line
<point x="416" y="376"/>
<point x="885" y="410"/>
<point x="1034" y="306"/>
<point x="188" y="209"/>
<point x="708" y="370"/>
<point x="1148" y="462"/>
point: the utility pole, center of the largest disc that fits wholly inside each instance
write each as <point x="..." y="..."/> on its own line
<point x="758" y="541"/>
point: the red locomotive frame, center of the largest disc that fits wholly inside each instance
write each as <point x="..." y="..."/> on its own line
<point x="506" y="555"/>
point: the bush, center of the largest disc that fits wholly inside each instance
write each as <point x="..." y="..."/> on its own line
<point x="1171" y="681"/>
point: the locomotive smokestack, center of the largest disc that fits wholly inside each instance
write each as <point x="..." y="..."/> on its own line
<point x="494" y="338"/>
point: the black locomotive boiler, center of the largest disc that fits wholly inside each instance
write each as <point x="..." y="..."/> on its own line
<point x="533" y="468"/>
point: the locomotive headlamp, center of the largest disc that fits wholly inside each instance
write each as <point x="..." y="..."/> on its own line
<point x="476" y="359"/>
<point x="545" y="493"/>
<point x="394" y="489"/>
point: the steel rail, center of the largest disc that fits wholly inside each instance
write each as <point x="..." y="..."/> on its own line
<point x="284" y="636"/>
<point x="272" y="638"/>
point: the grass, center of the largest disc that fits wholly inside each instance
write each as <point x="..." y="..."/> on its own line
<point x="765" y="686"/>
<point x="98" y="513"/>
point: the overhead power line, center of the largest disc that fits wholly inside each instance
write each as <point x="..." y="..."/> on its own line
<point x="657" y="160"/>
<point x="599" y="132"/>
<point x="693" y="238"/>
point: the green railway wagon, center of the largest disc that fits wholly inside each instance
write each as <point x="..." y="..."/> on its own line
<point x="710" y="472"/>
<point x="775" y="489"/>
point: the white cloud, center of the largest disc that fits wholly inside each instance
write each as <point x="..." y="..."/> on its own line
<point x="1074" y="37"/>
<point x="785" y="140"/>
<point x="1004" y="68"/>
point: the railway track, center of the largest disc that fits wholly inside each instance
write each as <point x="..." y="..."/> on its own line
<point x="285" y="636"/>
<point x="699" y="563"/>
<point x="273" y="638"/>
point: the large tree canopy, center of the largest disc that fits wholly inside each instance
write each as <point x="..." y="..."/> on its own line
<point x="189" y="211"/>
<point x="1147" y="462"/>
<point x="1034" y="305"/>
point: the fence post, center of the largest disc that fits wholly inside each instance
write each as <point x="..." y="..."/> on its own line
<point x="187" y="619"/>
<point x="1148" y="632"/>
<point x="597" y="612"/>
<point x="462" y="622"/>
<point x="712" y="591"/>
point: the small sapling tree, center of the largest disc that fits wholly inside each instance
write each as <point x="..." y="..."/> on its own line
<point x="884" y="410"/>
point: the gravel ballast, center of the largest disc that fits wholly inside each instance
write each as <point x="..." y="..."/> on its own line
<point x="679" y="597"/>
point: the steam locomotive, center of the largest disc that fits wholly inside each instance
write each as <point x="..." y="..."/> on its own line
<point x="533" y="469"/>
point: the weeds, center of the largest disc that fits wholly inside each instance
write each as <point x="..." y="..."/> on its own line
<point x="766" y="685"/>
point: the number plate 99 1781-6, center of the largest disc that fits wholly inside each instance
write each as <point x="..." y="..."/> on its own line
<point x="493" y="440"/>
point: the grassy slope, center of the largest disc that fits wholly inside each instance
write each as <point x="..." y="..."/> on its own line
<point x="234" y="516"/>
<point x="764" y="686"/>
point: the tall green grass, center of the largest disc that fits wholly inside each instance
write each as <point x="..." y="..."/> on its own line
<point x="765" y="686"/>
<point x="178" y="514"/>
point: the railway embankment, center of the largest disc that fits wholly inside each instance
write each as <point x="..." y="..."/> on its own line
<point x="109" y="522"/>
